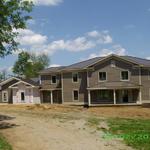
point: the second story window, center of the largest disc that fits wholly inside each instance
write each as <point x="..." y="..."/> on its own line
<point x="124" y="75"/>
<point x="54" y="79"/>
<point x="75" y="77"/>
<point x="102" y="76"/>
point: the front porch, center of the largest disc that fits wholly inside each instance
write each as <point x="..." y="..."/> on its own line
<point x="51" y="96"/>
<point x="114" y="97"/>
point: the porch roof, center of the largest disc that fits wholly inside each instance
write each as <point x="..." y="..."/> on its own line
<point x="114" y="85"/>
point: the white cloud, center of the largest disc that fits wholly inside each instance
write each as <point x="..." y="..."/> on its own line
<point x="47" y="2"/>
<point x="38" y="43"/>
<point x="101" y="37"/>
<point x="54" y="65"/>
<point x="116" y="49"/>
<point x="29" y="38"/>
<point x="148" y="58"/>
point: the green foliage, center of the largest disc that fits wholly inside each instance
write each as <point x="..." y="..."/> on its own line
<point x="13" y="16"/>
<point x="4" y="145"/>
<point x="136" y="133"/>
<point x="28" y="65"/>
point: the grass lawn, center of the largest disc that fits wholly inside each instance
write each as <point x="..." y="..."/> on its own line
<point x="135" y="132"/>
<point x="4" y="145"/>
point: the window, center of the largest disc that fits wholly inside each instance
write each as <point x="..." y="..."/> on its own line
<point x="75" y="95"/>
<point x="75" y="77"/>
<point x="5" y="96"/>
<point x="124" y="75"/>
<point x="54" y="79"/>
<point x="102" y="76"/>
<point x="22" y="96"/>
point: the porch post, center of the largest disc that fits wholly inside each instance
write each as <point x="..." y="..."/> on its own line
<point x="51" y="97"/>
<point x="140" y="96"/>
<point x="114" y="96"/>
<point x="89" y="98"/>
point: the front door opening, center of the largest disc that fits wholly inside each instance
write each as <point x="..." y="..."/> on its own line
<point x="22" y="96"/>
<point x="125" y="97"/>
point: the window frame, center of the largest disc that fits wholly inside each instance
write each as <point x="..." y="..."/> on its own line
<point x="128" y="75"/>
<point x="73" y="98"/>
<point x="77" y="77"/>
<point x="3" y="96"/>
<point x="99" y="76"/>
<point x="52" y="80"/>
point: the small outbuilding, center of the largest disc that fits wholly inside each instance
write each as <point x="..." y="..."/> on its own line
<point x="18" y="90"/>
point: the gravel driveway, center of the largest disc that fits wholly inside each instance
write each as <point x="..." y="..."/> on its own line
<point x="50" y="130"/>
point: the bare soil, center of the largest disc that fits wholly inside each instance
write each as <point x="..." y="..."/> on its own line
<point x="47" y="127"/>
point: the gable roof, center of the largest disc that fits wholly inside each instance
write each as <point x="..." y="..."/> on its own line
<point x="28" y="81"/>
<point x="8" y="80"/>
<point x="87" y="63"/>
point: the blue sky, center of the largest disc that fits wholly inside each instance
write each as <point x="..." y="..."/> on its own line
<point x="74" y="30"/>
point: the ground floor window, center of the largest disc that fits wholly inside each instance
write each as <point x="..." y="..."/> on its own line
<point x="75" y="95"/>
<point x="5" y="96"/>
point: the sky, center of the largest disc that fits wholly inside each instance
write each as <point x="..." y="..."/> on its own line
<point x="69" y="31"/>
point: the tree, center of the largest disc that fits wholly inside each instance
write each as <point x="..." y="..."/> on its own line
<point x="13" y="16"/>
<point x="28" y="64"/>
<point x="3" y="75"/>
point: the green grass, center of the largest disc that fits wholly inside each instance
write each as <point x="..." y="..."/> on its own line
<point x="4" y="145"/>
<point x="135" y="132"/>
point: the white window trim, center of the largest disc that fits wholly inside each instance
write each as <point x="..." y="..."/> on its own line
<point x="73" y="95"/>
<point x="51" y="79"/>
<point x="99" y="78"/>
<point x="3" y="96"/>
<point x="77" y="77"/>
<point x="121" y="75"/>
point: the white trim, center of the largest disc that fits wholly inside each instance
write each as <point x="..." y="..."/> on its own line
<point x="40" y="81"/>
<point x="105" y="88"/>
<point x="109" y="56"/>
<point x="51" y="93"/>
<point x="21" y="82"/>
<point x="128" y="75"/>
<point x="140" y="83"/>
<point x="8" y="80"/>
<point x="88" y="82"/>
<point x="89" y="97"/>
<point x="56" y="79"/>
<point x="62" y="88"/>
<point x="6" y="92"/>
<point x="77" y="77"/>
<point x="102" y="80"/>
<point x="73" y="95"/>
<point x="114" y="94"/>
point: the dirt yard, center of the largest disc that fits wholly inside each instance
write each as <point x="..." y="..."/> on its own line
<point x="45" y="127"/>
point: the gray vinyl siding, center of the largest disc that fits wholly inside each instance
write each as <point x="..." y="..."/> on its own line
<point x="145" y="85"/>
<point x="5" y="87"/>
<point x="47" y="84"/>
<point x="113" y="73"/>
<point x="69" y="86"/>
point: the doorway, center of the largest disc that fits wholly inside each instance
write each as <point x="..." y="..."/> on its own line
<point x="22" y="96"/>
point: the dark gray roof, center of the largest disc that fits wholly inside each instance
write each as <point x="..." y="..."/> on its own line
<point x="86" y="63"/>
<point x="140" y="61"/>
<point x="32" y="81"/>
<point x="52" y="69"/>
<point x="83" y="64"/>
